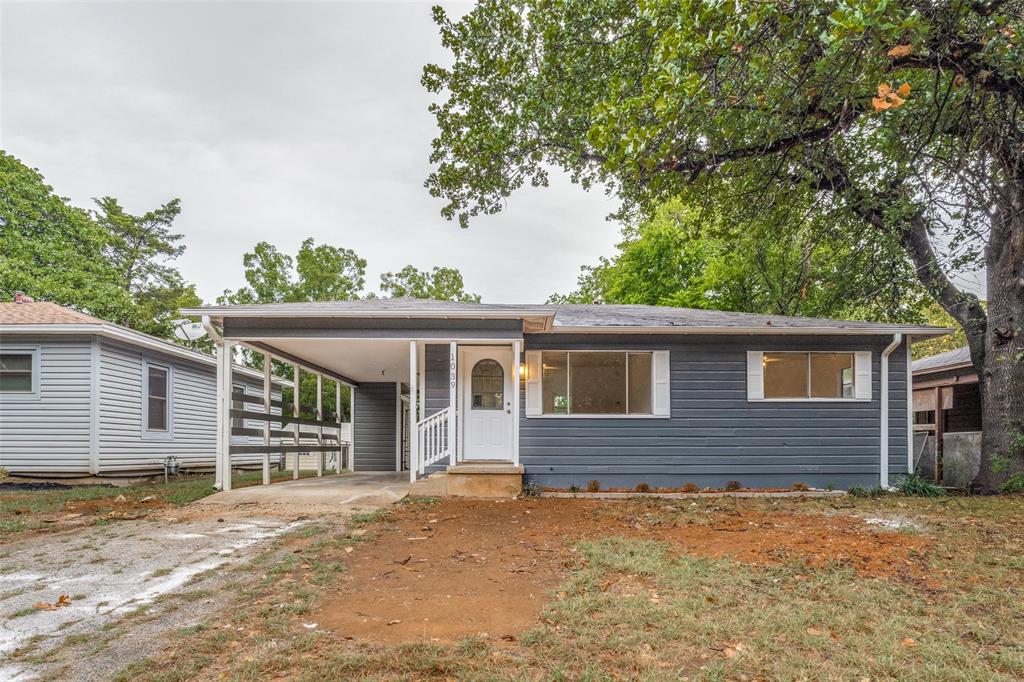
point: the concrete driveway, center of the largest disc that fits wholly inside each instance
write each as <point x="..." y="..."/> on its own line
<point x="324" y="493"/>
<point x="130" y="582"/>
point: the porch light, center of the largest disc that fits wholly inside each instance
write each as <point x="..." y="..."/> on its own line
<point x="522" y="371"/>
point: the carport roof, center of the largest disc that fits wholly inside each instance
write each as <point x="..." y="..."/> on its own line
<point x="571" y="317"/>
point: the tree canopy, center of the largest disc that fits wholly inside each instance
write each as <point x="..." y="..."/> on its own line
<point x="439" y="284"/>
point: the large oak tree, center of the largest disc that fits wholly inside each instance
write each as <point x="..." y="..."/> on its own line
<point x="905" y="115"/>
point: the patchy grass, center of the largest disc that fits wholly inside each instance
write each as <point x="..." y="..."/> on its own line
<point x="633" y="603"/>
<point x="27" y="510"/>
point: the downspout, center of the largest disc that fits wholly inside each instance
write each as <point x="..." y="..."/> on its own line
<point x="883" y="465"/>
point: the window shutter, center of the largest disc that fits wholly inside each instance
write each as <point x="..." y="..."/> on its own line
<point x="533" y="376"/>
<point x="755" y="375"/>
<point x="662" y="384"/>
<point x="862" y="372"/>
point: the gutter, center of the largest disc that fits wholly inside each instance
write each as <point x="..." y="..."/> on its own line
<point x="883" y="464"/>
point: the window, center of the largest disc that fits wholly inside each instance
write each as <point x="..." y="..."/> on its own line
<point x="809" y="375"/>
<point x="17" y="372"/>
<point x="488" y="385"/>
<point x="596" y="382"/>
<point x="157" y="403"/>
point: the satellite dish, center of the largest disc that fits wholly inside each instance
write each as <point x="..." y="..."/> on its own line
<point x="189" y="331"/>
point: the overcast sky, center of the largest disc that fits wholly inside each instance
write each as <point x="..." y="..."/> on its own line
<point x="271" y="121"/>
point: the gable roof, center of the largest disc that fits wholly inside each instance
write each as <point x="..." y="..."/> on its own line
<point x="571" y="317"/>
<point x="43" y="317"/>
<point x="958" y="357"/>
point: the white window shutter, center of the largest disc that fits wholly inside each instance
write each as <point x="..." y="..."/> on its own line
<point x="662" y="384"/>
<point x="755" y="375"/>
<point x="862" y="374"/>
<point x="533" y="376"/>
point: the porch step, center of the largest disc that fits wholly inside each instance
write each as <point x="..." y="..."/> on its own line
<point x="486" y="480"/>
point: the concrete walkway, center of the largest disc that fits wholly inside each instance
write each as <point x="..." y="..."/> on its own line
<point x="357" y="489"/>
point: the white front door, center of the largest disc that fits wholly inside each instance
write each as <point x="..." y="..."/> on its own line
<point x="487" y="403"/>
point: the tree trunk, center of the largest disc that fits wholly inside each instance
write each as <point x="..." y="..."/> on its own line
<point x="998" y="355"/>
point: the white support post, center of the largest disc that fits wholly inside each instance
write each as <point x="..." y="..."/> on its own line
<point x="319" y="428"/>
<point x="337" y="418"/>
<point x="452" y="378"/>
<point x="223" y="464"/>
<point x="298" y="427"/>
<point x="413" y="429"/>
<point x="266" y="424"/>
<point x="515" y="401"/>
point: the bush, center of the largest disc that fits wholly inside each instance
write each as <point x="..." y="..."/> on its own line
<point x="915" y="485"/>
<point x="732" y="485"/>
<point x="801" y="487"/>
<point x="4" y="473"/>
<point x="643" y="488"/>
<point x="593" y="486"/>
<point x="690" y="488"/>
<point x="530" y="489"/>
<point x="574" y="488"/>
<point x="857" y="491"/>
<point x="1014" y="484"/>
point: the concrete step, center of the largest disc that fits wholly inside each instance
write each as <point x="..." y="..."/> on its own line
<point x="434" y="485"/>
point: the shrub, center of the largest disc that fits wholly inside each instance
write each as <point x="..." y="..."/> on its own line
<point x="530" y="489"/>
<point x="857" y="491"/>
<point x="915" y="485"/>
<point x="690" y="488"/>
<point x="574" y="488"/>
<point x="4" y="473"/>
<point x="801" y="487"/>
<point x="643" y="488"/>
<point x="732" y="485"/>
<point x="876" y="491"/>
<point x="593" y="486"/>
<point x="1014" y="484"/>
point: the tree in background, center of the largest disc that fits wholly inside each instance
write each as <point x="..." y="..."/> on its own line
<point x="903" y="116"/>
<point x="439" y="284"/>
<point x="694" y="258"/>
<point x="109" y="264"/>
<point x="139" y="248"/>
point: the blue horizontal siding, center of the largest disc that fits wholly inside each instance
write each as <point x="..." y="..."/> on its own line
<point x="714" y="434"/>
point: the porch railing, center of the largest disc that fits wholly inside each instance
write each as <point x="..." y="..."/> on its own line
<point x="433" y="441"/>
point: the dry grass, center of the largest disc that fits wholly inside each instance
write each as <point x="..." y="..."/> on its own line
<point x="631" y="607"/>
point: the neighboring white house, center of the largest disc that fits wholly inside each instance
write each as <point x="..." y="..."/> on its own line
<point x="80" y="396"/>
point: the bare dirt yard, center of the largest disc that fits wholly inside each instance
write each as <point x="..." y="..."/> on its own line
<point x="717" y="589"/>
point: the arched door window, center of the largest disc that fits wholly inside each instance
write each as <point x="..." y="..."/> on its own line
<point x="488" y="385"/>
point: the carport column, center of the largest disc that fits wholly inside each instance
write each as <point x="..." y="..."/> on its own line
<point x="413" y="429"/>
<point x="223" y="463"/>
<point x="295" y="414"/>
<point x="266" y="424"/>
<point x="320" y="427"/>
<point x="452" y="367"/>
<point x="337" y="418"/>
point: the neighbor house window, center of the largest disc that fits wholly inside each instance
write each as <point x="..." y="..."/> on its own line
<point x="17" y="372"/>
<point x="596" y="382"/>
<point x="808" y="375"/>
<point x="157" y="398"/>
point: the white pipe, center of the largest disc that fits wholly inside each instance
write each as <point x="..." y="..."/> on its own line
<point x="883" y="475"/>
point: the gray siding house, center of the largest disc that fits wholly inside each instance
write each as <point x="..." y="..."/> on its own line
<point x="82" y="397"/>
<point x="621" y="394"/>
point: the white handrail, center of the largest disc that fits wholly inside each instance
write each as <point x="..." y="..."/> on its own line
<point x="432" y="435"/>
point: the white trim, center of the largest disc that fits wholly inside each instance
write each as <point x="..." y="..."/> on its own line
<point x="883" y="468"/>
<point x="352" y="420"/>
<point x="223" y="456"/>
<point x="168" y="432"/>
<point x="454" y="442"/>
<point x="267" y="383"/>
<point x="910" y="409"/>
<point x="516" y="388"/>
<point x="296" y="412"/>
<point x="35" y="351"/>
<point x="414" y="396"/>
<point x="755" y="378"/>
<point x="95" y="412"/>
<point x="535" y="385"/>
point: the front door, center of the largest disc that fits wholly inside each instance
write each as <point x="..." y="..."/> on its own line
<point x="487" y="403"/>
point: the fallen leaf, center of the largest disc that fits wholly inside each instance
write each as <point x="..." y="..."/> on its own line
<point x="900" y="51"/>
<point x="44" y="606"/>
<point x="120" y="498"/>
<point x="62" y="600"/>
<point x="908" y="642"/>
<point x="359" y="532"/>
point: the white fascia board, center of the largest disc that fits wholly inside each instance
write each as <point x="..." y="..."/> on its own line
<point x="810" y="331"/>
<point x="133" y="338"/>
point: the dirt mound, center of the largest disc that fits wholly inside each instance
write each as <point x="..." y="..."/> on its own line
<point x="463" y="567"/>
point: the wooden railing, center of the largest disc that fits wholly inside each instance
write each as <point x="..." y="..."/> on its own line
<point x="433" y="441"/>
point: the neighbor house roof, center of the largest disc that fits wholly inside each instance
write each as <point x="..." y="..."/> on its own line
<point x="38" y="317"/>
<point x="951" y="359"/>
<point x="571" y="318"/>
